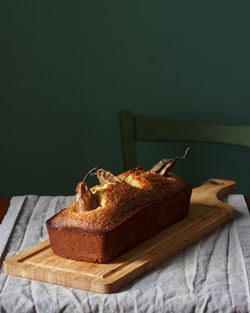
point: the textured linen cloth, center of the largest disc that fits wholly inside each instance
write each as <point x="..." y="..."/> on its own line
<point x="212" y="275"/>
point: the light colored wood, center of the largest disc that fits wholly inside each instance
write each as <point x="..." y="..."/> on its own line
<point x="206" y="213"/>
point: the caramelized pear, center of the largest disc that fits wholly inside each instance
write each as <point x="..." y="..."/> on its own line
<point x="105" y="177"/>
<point x="85" y="200"/>
<point x="165" y="165"/>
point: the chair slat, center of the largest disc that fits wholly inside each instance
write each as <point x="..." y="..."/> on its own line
<point x="162" y="129"/>
<point x="156" y="129"/>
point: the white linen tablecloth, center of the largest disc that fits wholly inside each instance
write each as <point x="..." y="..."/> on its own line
<point x="212" y="275"/>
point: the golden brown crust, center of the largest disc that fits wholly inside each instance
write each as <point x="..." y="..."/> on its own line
<point x="119" y="200"/>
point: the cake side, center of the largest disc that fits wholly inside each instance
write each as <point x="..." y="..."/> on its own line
<point x="80" y="244"/>
<point x="145" y="224"/>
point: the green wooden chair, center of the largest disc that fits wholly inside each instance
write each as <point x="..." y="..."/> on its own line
<point x="139" y="128"/>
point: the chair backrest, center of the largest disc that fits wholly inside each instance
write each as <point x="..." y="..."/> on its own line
<point x="156" y="129"/>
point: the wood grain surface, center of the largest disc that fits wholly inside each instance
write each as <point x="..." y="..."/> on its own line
<point x="206" y="213"/>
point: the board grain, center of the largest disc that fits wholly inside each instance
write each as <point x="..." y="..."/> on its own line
<point x="206" y="213"/>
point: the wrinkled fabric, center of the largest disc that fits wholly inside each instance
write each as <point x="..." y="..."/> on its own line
<point x="211" y="275"/>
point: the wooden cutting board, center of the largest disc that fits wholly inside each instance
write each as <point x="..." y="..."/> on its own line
<point x="207" y="212"/>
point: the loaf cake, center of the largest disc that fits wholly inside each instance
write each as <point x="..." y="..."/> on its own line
<point x="120" y="213"/>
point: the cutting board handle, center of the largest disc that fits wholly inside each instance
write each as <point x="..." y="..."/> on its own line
<point x="212" y="191"/>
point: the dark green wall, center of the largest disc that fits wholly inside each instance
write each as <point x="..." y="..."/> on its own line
<point x="68" y="67"/>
